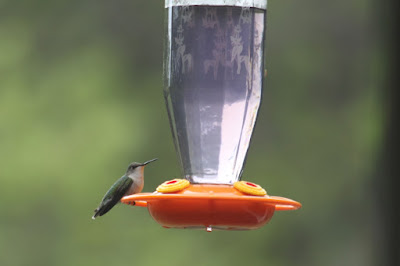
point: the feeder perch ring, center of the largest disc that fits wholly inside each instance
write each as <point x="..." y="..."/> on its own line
<point x="210" y="206"/>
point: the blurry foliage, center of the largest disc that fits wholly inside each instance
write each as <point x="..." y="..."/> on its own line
<point x="81" y="97"/>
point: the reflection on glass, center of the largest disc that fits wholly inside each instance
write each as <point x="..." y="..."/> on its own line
<point x="213" y="82"/>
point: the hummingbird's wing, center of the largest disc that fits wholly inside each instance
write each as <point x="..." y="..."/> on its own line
<point x="113" y="195"/>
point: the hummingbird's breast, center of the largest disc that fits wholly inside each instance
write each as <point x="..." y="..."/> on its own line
<point x="137" y="186"/>
<point x="138" y="182"/>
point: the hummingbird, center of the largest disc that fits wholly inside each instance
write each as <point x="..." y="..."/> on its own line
<point x="131" y="182"/>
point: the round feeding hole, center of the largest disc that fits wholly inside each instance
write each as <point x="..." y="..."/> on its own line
<point x="171" y="182"/>
<point x="251" y="184"/>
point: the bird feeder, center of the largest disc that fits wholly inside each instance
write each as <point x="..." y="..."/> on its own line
<point x="213" y="74"/>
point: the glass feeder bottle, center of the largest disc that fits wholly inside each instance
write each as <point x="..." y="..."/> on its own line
<point x="213" y="78"/>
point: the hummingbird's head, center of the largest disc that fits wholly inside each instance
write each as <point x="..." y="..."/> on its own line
<point x="136" y="169"/>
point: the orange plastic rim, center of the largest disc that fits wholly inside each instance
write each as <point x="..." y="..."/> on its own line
<point x="211" y="206"/>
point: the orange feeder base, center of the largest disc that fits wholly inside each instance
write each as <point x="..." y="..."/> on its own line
<point x="211" y="207"/>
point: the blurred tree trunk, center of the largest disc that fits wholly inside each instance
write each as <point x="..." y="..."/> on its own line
<point x="388" y="174"/>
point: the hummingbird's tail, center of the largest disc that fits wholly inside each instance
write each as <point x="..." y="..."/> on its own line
<point x="104" y="207"/>
<point x="96" y="213"/>
<point x="99" y="212"/>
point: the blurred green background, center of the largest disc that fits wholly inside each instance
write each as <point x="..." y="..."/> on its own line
<point x="81" y="97"/>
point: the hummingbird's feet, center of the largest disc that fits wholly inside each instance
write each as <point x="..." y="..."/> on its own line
<point x="133" y="203"/>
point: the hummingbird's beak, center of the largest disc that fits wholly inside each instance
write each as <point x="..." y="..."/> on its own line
<point x="149" y="161"/>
